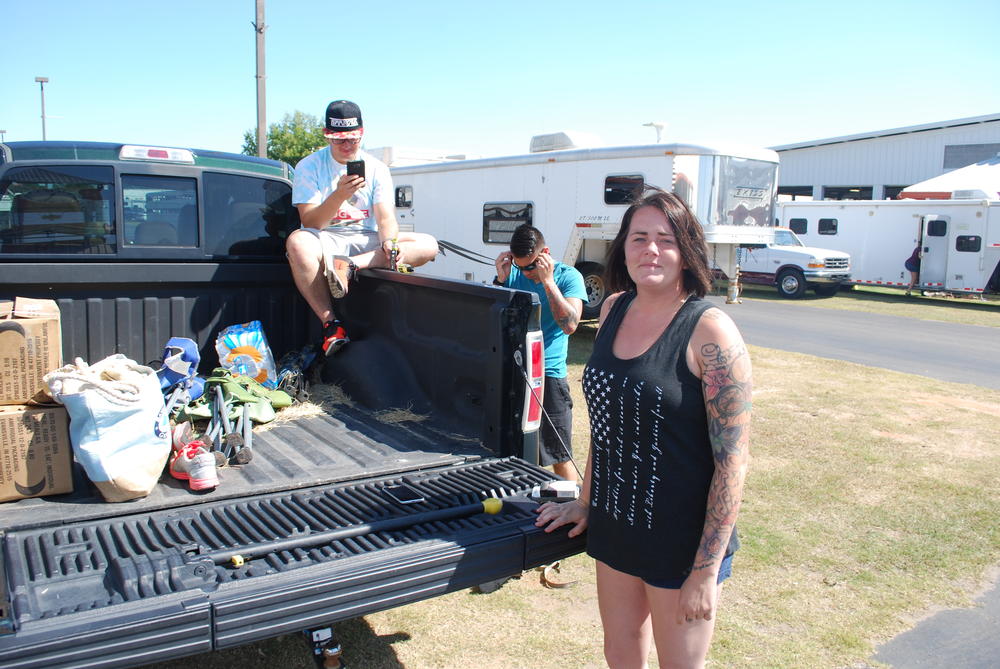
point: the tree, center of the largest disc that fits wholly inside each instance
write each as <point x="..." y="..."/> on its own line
<point x="296" y="136"/>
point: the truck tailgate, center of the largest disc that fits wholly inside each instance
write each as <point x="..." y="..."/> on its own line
<point x="140" y="588"/>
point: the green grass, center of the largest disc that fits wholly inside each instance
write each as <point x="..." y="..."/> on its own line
<point x="872" y="498"/>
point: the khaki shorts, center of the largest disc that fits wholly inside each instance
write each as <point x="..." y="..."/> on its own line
<point x="341" y="242"/>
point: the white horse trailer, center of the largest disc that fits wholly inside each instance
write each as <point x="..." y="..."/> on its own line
<point x="959" y="239"/>
<point x="577" y="197"/>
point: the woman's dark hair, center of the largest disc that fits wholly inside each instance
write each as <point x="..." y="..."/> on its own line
<point x="690" y="241"/>
<point x="526" y="240"/>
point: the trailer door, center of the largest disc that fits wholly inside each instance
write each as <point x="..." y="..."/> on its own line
<point x="934" y="249"/>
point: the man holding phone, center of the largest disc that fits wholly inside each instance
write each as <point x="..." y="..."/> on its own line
<point x="561" y="292"/>
<point x="347" y="210"/>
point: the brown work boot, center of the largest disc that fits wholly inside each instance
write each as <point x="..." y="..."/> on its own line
<point x="339" y="271"/>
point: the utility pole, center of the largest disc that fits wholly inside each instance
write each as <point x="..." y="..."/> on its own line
<point x="41" y="83"/>
<point x="259" y="28"/>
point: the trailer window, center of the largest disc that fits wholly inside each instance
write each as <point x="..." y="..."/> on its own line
<point x="968" y="243"/>
<point x="500" y="220"/>
<point x="57" y="210"/>
<point x="798" y="225"/>
<point x="622" y="188"/>
<point x="827" y="226"/>
<point x="937" y="228"/>
<point x="160" y="211"/>
<point x="247" y="216"/>
<point x="404" y="196"/>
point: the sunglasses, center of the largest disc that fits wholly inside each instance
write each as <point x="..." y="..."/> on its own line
<point x="346" y="141"/>
<point x="526" y="268"/>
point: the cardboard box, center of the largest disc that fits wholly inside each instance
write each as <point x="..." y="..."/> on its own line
<point x="30" y="348"/>
<point x="36" y="457"/>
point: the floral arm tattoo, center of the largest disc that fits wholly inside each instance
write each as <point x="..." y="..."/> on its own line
<point x="727" y="384"/>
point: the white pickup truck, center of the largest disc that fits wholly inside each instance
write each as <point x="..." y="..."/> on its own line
<point x="793" y="267"/>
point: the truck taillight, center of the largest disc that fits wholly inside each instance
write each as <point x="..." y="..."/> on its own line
<point x="535" y="364"/>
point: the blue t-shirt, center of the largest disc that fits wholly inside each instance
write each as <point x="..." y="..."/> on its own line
<point x="316" y="177"/>
<point x="570" y="283"/>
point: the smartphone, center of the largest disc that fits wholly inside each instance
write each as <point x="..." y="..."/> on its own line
<point x="403" y="494"/>
<point x="356" y="168"/>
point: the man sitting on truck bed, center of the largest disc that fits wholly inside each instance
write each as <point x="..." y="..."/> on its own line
<point x="348" y="220"/>
<point x="561" y="291"/>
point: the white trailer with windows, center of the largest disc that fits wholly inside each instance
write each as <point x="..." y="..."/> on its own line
<point x="577" y="197"/>
<point x="959" y="239"/>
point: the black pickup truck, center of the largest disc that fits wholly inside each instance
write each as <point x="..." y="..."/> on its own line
<point x="138" y="244"/>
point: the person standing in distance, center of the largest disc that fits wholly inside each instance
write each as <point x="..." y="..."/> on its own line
<point x="348" y="221"/>
<point x="561" y="292"/>
<point x="669" y="389"/>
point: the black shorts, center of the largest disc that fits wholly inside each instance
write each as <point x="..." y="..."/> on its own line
<point x="558" y="405"/>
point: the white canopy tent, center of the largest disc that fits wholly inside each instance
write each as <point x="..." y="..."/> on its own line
<point x="979" y="181"/>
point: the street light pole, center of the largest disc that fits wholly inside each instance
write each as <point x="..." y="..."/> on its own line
<point x="2" y="133"/>
<point x="259" y="28"/>
<point x="41" y="83"/>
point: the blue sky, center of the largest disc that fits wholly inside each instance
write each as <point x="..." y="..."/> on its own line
<point x="483" y="77"/>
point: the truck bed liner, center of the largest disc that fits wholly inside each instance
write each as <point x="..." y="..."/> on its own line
<point x="344" y="444"/>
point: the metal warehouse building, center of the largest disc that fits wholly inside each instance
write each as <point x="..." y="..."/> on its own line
<point x="878" y="165"/>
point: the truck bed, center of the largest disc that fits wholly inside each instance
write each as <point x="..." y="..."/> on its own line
<point x="347" y="442"/>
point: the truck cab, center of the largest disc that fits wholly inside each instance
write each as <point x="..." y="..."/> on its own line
<point x="793" y="267"/>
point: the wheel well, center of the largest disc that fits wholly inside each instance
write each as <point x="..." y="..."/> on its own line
<point x="791" y="268"/>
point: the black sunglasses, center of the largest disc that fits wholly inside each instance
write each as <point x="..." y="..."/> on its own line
<point x="528" y="267"/>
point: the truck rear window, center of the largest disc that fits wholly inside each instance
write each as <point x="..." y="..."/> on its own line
<point x="247" y="216"/>
<point x="56" y="209"/>
<point x="160" y="211"/>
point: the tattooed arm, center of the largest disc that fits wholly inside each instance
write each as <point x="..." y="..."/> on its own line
<point x="565" y="310"/>
<point x="719" y="357"/>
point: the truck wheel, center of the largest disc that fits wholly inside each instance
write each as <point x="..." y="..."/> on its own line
<point x="593" y="279"/>
<point x="826" y="289"/>
<point x="791" y="284"/>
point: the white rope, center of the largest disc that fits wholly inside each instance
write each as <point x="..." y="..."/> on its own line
<point x="106" y="377"/>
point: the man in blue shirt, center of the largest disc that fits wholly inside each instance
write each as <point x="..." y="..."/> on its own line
<point x="561" y="291"/>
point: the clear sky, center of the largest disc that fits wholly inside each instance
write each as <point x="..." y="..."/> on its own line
<point x="482" y="77"/>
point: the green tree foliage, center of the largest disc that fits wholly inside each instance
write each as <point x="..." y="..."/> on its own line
<point x="293" y="138"/>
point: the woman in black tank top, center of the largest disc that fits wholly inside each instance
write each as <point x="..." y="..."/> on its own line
<point x="668" y="388"/>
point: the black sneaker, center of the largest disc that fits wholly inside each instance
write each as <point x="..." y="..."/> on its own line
<point x="334" y="337"/>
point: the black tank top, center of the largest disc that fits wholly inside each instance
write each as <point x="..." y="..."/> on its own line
<point x="652" y="459"/>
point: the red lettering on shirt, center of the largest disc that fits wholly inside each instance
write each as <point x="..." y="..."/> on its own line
<point x="351" y="216"/>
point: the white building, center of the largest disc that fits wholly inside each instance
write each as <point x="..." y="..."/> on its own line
<point x="878" y="165"/>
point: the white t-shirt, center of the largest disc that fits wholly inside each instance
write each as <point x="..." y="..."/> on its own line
<point x="316" y="177"/>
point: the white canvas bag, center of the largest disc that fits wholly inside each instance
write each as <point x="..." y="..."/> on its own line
<point x="118" y="426"/>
